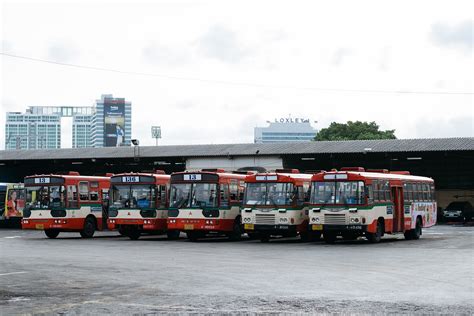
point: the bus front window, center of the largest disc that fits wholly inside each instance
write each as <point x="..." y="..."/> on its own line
<point x="133" y="196"/>
<point x="276" y="194"/>
<point x="343" y="192"/>
<point x="204" y="195"/>
<point x="40" y="197"/>
<point x="180" y="195"/>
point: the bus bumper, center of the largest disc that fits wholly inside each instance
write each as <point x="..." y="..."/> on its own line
<point x="63" y="224"/>
<point x="208" y="225"/>
<point x="142" y="223"/>
<point x="338" y="228"/>
<point x="272" y="229"/>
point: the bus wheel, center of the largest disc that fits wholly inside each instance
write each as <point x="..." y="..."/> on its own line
<point x="237" y="231"/>
<point x="329" y="237"/>
<point x="51" y="233"/>
<point x="134" y="233"/>
<point x="414" y="233"/>
<point x="349" y="236"/>
<point x="172" y="234"/>
<point x="265" y="238"/>
<point x="253" y="236"/>
<point x="89" y="228"/>
<point x="193" y="236"/>
<point x="122" y="231"/>
<point x="377" y="236"/>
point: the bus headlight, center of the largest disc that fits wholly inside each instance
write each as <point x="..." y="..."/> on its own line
<point x="315" y="220"/>
<point x="283" y="220"/>
<point x="247" y="219"/>
<point x="355" y="220"/>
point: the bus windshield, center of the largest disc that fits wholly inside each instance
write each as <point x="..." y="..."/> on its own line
<point x="40" y="197"/>
<point x="267" y="193"/>
<point x="197" y="195"/>
<point x="343" y="192"/>
<point x="133" y="196"/>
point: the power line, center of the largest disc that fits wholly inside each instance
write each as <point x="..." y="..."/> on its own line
<point x="224" y="82"/>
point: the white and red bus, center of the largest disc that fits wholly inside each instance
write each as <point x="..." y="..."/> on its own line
<point x="139" y="204"/>
<point x="66" y="203"/>
<point x="355" y="202"/>
<point x="206" y="202"/>
<point x="275" y="204"/>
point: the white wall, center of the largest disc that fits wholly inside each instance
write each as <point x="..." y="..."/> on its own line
<point x="270" y="163"/>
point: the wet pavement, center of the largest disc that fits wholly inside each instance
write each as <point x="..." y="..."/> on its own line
<point x="112" y="274"/>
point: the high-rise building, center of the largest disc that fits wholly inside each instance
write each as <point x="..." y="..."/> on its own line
<point x="106" y="124"/>
<point x="32" y="131"/>
<point x="112" y="122"/>
<point x="285" y="130"/>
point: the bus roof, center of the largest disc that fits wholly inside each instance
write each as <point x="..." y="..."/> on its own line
<point x="157" y="176"/>
<point x="220" y="174"/>
<point x="280" y="176"/>
<point x="68" y="176"/>
<point x="374" y="175"/>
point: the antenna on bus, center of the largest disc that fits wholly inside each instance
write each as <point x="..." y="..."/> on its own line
<point x="378" y="170"/>
<point x="360" y="169"/>
<point x="287" y="171"/>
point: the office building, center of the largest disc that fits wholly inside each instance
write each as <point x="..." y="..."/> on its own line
<point x="285" y="130"/>
<point x="106" y="124"/>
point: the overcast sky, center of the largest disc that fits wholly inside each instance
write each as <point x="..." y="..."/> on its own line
<point x="273" y="50"/>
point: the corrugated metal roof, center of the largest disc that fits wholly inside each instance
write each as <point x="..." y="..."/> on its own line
<point x="309" y="148"/>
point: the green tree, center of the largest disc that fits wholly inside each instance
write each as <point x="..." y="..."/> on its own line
<point x="354" y="130"/>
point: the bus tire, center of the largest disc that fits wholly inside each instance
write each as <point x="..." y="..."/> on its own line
<point x="253" y="236"/>
<point x="349" y="236"/>
<point x="237" y="230"/>
<point x="377" y="236"/>
<point x="193" y="236"/>
<point x="51" y="233"/>
<point x="134" y="233"/>
<point x="122" y="231"/>
<point x="265" y="238"/>
<point x="89" y="227"/>
<point x="172" y="234"/>
<point x="329" y="237"/>
<point x="414" y="234"/>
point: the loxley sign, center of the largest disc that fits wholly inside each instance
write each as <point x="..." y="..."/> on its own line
<point x="291" y="120"/>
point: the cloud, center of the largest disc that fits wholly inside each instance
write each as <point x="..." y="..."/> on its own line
<point x="221" y="43"/>
<point x="339" y="55"/>
<point x="457" y="36"/>
<point x="160" y="54"/>
<point x="62" y="51"/>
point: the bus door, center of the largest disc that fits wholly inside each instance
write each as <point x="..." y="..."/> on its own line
<point x="397" y="199"/>
<point x="105" y="207"/>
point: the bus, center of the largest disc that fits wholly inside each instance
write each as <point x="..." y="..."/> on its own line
<point x="206" y="202"/>
<point x="66" y="203"/>
<point x="275" y="204"/>
<point x="355" y="202"/>
<point x="138" y="204"/>
<point x="12" y="202"/>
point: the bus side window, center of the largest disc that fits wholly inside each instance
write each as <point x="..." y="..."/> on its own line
<point x="388" y="193"/>
<point x="94" y="191"/>
<point x="224" y="195"/>
<point x="161" y="197"/>
<point x="416" y="190"/>
<point x="234" y="190"/>
<point x="72" y="195"/>
<point x="369" y="192"/>
<point x="84" y="191"/>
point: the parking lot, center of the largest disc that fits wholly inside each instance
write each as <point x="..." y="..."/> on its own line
<point x="112" y="274"/>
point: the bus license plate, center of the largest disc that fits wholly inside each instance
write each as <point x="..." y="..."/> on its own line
<point x="249" y="226"/>
<point x="188" y="226"/>
<point x="317" y="227"/>
<point x="39" y="226"/>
